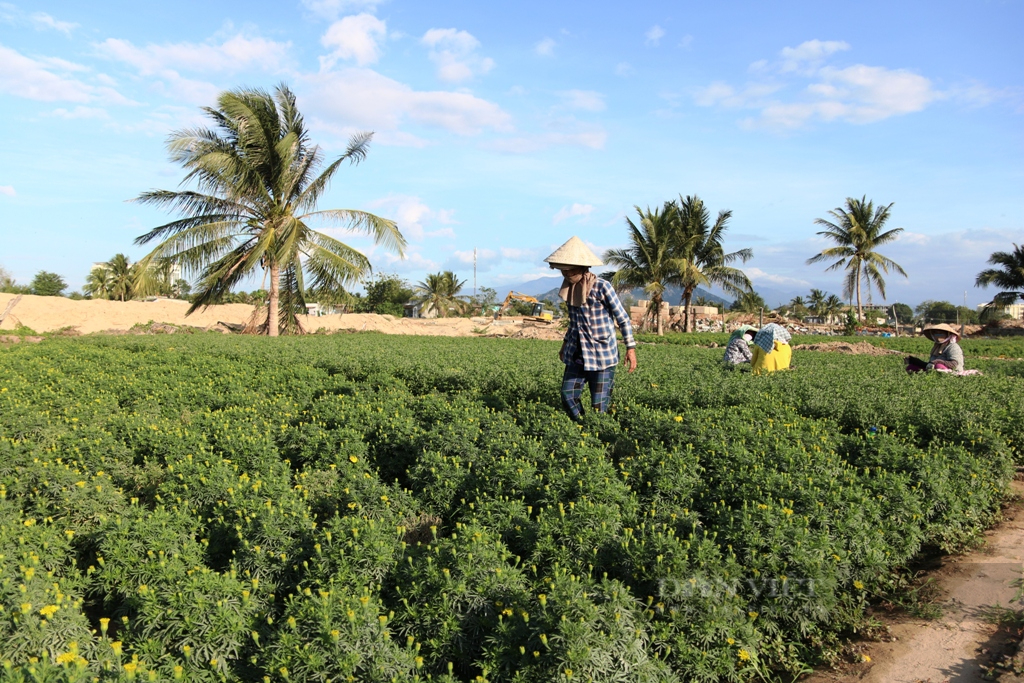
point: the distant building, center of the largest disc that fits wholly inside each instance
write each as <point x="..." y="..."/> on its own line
<point x="704" y="311"/>
<point x="418" y="309"/>
<point x="1015" y="311"/>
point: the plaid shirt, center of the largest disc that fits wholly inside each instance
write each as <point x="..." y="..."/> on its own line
<point x="591" y="336"/>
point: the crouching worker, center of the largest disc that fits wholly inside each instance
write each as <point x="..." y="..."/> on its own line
<point x="590" y="350"/>
<point x="946" y="355"/>
<point x="738" y="351"/>
<point x="771" y="349"/>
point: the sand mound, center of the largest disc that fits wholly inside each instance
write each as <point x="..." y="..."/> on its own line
<point x="528" y="331"/>
<point x="167" y="316"/>
<point x="856" y="349"/>
<point x="51" y="313"/>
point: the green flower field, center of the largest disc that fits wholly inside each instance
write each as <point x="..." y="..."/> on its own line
<point x="372" y="508"/>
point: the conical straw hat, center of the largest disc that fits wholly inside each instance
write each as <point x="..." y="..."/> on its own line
<point x="574" y="253"/>
<point x="942" y="327"/>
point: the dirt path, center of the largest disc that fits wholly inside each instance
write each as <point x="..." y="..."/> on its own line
<point x="962" y="644"/>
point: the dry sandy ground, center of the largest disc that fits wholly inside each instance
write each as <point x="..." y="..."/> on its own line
<point x="963" y="643"/>
<point x="50" y="313"/>
<point x="855" y="348"/>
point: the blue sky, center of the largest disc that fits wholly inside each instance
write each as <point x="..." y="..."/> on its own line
<point x="509" y="127"/>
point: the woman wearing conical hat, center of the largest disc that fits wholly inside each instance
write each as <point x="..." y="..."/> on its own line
<point x="946" y="355"/>
<point x="590" y="350"/>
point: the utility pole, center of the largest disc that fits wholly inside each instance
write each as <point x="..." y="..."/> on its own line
<point x="963" y="320"/>
<point x="474" y="271"/>
<point x="895" y="318"/>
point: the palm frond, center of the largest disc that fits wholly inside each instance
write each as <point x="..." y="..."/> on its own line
<point x="383" y="231"/>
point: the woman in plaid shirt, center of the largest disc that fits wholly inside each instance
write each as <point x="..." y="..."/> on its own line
<point x="590" y="350"/>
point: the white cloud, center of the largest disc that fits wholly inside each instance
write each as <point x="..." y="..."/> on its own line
<point x="520" y="254"/>
<point x="44" y="20"/>
<point x="800" y="89"/>
<point x="8" y="190"/>
<point x="809" y="54"/>
<point x="592" y="138"/>
<point x="575" y="210"/>
<point x="163" y="64"/>
<point x="915" y="238"/>
<point x="41" y="21"/>
<point x="974" y="94"/>
<point x="454" y="52"/>
<point x="623" y="69"/>
<point x="413" y="217"/>
<point x="872" y="93"/>
<point x="686" y="41"/>
<point x="654" y="35"/>
<point x="81" y="112"/>
<point x="545" y="48"/>
<point x="757" y="275"/>
<point x="414" y="261"/>
<point x="354" y="37"/>
<point x="352" y="99"/>
<point x="36" y="79"/>
<point x="725" y="95"/>
<point x="587" y="100"/>
<point x="332" y="9"/>
<point x="232" y="55"/>
<point x="487" y="259"/>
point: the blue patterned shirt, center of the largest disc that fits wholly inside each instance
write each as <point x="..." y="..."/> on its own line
<point x="591" y="336"/>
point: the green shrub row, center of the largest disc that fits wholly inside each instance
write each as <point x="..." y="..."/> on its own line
<point x="376" y="508"/>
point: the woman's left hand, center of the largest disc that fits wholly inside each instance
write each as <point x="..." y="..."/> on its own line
<point x="630" y="360"/>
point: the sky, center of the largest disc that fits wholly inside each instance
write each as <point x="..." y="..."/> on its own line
<point x="510" y="127"/>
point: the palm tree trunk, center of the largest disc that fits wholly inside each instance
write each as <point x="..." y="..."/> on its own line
<point x="272" y="300"/>
<point x="656" y="302"/>
<point x="687" y="297"/>
<point x="860" y="309"/>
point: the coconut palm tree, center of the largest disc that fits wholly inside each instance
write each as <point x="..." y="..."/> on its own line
<point x="1009" y="276"/>
<point x="439" y="292"/>
<point x="122" y="276"/>
<point x="700" y="258"/>
<point x="830" y="308"/>
<point x="797" y="308"/>
<point x="257" y="190"/>
<point x="648" y="261"/>
<point x="748" y="302"/>
<point x="857" y="231"/>
<point x="815" y="301"/>
<point x="97" y="283"/>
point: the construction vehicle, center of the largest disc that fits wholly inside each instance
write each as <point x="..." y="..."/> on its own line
<point x="538" y="314"/>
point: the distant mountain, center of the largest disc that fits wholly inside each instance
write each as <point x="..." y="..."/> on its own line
<point x="532" y="287"/>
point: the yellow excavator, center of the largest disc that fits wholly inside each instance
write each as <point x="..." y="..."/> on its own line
<point x="538" y="314"/>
